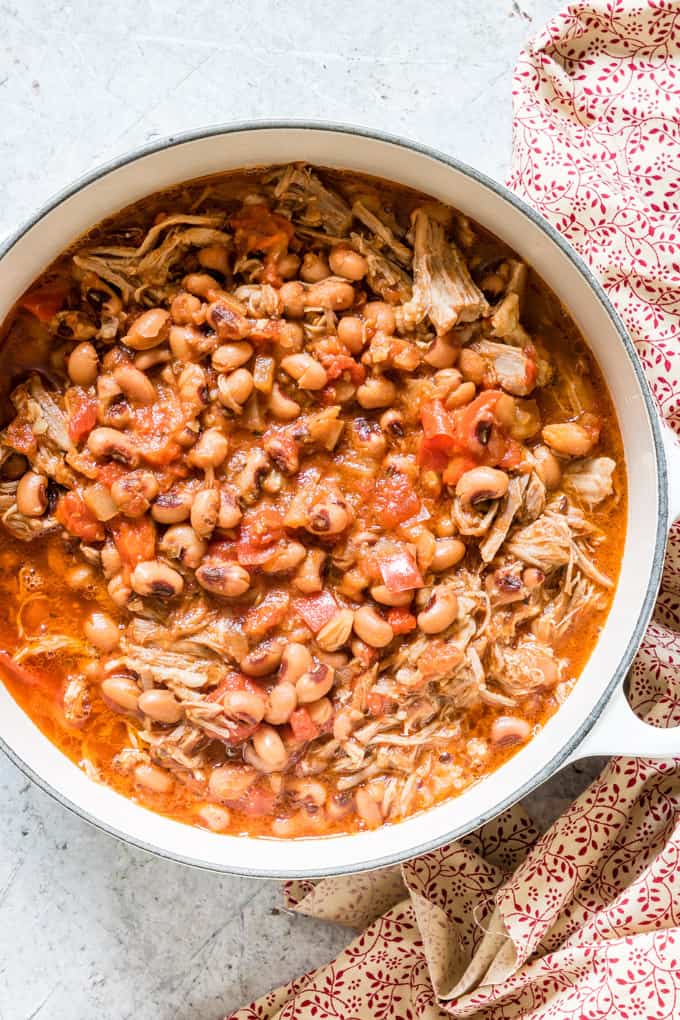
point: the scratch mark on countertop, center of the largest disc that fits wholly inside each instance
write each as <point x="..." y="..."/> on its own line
<point x="168" y="92"/>
<point x="4" y="890"/>
<point x="39" y="1008"/>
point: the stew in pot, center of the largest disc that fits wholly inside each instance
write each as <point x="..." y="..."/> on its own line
<point x="313" y="502"/>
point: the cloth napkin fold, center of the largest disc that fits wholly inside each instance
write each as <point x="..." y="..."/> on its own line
<point x="583" y="922"/>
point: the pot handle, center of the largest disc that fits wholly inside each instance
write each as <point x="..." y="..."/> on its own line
<point x="619" y="730"/>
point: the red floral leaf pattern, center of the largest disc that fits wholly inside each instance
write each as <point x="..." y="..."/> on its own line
<point x="583" y="923"/>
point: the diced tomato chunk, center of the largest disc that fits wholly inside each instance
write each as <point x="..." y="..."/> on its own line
<point x="76" y="518"/>
<point x="271" y="612"/>
<point x="316" y="610"/>
<point x="401" y="620"/>
<point x="396" y="500"/>
<point x="82" y="412"/>
<point x="135" y="539"/>
<point x="258" y="532"/>
<point x="400" y="572"/>
<point x="457" y="467"/>
<point x="376" y="704"/>
<point x="109" y="473"/>
<point x="19" y="435"/>
<point x="45" y="302"/>
<point x="303" y="726"/>
<point x="257" y="802"/>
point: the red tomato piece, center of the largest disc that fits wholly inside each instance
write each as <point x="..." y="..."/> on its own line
<point x="46" y="301"/>
<point x="109" y="473"/>
<point x="257" y="802"/>
<point x="258" y="532"/>
<point x="303" y="726"/>
<point x="395" y="499"/>
<point x="376" y="703"/>
<point x="401" y="621"/>
<point x="316" y="610"/>
<point x="272" y="611"/>
<point x="82" y="413"/>
<point x="240" y="731"/>
<point x="135" y="539"/>
<point x="457" y="467"/>
<point x="76" y="518"/>
<point x="336" y="364"/>
<point x="19" y="435"/>
<point x="400" y="572"/>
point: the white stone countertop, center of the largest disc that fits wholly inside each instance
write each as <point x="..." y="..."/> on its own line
<point x="90" y="927"/>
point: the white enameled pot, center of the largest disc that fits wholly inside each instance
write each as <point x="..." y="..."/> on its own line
<point x="596" y="718"/>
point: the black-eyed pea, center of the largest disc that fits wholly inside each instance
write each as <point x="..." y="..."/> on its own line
<point x="31" y="494"/>
<point x="148" y="330"/>
<point x="152" y="577"/>
<point x="295" y="661"/>
<point x="314" y="684"/>
<point x="308" y="577"/>
<point x="181" y="542"/>
<point x="346" y="262"/>
<point x="461" y="396"/>
<point x="507" y="729"/>
<point x="213" y="817"/>
<point x="154" y="779"/>
<point x="269" y="747"/>
<point x="121" y="691"/>
<point x="83" y="364"/>
<point x="282" y="702"/>
<point x="172" y="507"/>
<point x="307" y="791"/>
<point x="472" y="366"/>
<point x="230" y="782"/>
<point x="380" y="316"/>
<point x="439" y="613"/>
<point x="447" y="553"/>
<point x="210" y="451"/>
<point x="263" y="660"/>
<point x="184" y="307"/>
<point x="101" y="630"/>
<point x="321" y="711"/>
<point x="293" y="296"/>
<point x="160" y="705"/>
<point x="371" y="627"/>
<point x="306" y="370"/>
<point x="547" y="467"/>
<point x="382" y="594"/>
<point x="570" y="438"/>
<point x="314" y="268"/>
<point x="204" y="512"/>
<point x="481" y="484"/>
<point x="281" y="406"/>
<point x="245" y="706"/>
<point x="229" y="357"/>
<point x="229" y="513"/>
<point x="368" y="810"/>
<point x="228" y="580"/>
<point x="376" y="392"/>
<point x="332" y="294"/>
<point x="352" y="333"/>
<point x="136" y="386"/>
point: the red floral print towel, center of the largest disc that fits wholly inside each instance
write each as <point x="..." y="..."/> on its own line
<point x="583" y="922"/>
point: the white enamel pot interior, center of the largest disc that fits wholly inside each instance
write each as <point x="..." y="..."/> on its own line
<point x="595" y="718"/>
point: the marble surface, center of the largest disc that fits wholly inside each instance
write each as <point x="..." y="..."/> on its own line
<point x="88" y="926"/>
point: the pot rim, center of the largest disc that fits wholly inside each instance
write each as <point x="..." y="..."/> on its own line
<point x="632" y="645"/>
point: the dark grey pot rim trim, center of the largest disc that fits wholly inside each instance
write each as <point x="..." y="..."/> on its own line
<point x="638" y="631"/>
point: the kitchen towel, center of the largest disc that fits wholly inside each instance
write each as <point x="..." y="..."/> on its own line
<point x="583" y="922"/>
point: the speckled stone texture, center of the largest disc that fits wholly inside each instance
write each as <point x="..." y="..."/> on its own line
<point x="88" y="926"/>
